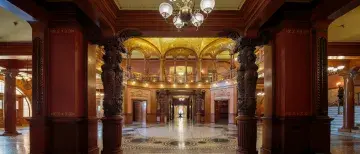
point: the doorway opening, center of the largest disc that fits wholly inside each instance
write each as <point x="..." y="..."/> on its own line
<point x="139" y="111"/>
<point x="222" y="111"/>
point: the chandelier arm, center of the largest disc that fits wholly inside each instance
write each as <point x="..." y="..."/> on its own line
<point x="207" y="15"/>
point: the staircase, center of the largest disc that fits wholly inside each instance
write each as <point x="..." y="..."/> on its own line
<point x="338" y="119"/>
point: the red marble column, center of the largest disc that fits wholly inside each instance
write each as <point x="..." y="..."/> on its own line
<point x="39" y="129"/>
<point x="320" y="125"/>
<point x="71" y="93"/>
<point x="20" y="111"/>
<point x="10" y="102"/>
<point x="349" y="104"/>
<point x="295" y="114"/>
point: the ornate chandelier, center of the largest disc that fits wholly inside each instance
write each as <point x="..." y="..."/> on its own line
<point x="185" y="12"/>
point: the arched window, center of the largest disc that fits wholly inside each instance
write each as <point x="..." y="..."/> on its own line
<point x="27" y="112"/>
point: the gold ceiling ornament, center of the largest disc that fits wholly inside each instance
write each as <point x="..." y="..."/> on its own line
<point x="181" y="52"/>
<point x="198" y="47"/>
<point x="217" y="46"/>
<point x="143" y="46"/>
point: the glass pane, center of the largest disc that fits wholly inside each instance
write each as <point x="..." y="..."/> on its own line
<point x="26" y="112"/>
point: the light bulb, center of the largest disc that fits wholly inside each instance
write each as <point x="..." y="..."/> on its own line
<point x="177" y="22"/>
<point x="197" y="19"/>
<point x="165" y="9"/>
<point x="207" y="5"/>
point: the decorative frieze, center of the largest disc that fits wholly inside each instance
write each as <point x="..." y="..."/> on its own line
<point x="139" y="93"/>
<point x="62" y="30"/>
<point x="296" y="31"/>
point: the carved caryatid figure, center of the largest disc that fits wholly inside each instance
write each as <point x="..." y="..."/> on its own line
<point x="112" y="78"/>
<point x="199" y="99"/>
<point x="251" y="77"/>
<point x="247" y="77"/>
<point x="161" y="100"/>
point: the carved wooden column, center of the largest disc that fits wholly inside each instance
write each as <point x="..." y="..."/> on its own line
<point x="186" y="70"/>
<point x="112" y="78"/>
<point x="161" y="103"/>
<point x="349" y="105"/>
<point x="215" y="69"/>
<point x="175" y="70"/>
<point x="10" y="102"/>
<point x="162" y="69"/>
<point x="199" y="99"/>
<point x="231" y="64"/>
<point x="128" y="67"/>
<point x="146" y="68"/>
<point x="247" y="78"/>
<point x="198" y="70"/>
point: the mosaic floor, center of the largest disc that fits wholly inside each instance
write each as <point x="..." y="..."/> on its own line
<point x="175" y="138"/>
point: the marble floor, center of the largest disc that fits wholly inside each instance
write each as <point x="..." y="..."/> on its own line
<point x="177" y="137"/>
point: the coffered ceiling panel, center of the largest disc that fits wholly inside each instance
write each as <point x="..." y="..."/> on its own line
<point x="154" y="4"/>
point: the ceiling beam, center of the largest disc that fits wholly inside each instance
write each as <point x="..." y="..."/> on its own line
<point x="344" y="49"/>
<point x="15" y="64"/>
<point x="257" y="12"/>
<point x="15" y="48"/>
<point x="332" y="9"/>
<point x="151" y="23"/>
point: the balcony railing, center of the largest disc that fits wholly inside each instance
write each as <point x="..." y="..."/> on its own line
<point x="190" y="78"/>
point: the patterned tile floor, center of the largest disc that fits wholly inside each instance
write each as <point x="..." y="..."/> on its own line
<point x="179" y="137"/>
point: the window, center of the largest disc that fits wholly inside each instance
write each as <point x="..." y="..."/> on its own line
<point x="26" y="108"/>
<point x="26" y="102"/>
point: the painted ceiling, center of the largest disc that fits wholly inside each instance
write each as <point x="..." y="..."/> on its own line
<point x="346" y="28"/>
<point x="154" y="4"/>
<point x="13" y="28"/>
<point x="180" y="47"/>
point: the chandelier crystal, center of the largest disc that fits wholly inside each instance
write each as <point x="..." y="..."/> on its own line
<point x="185" y="12"/>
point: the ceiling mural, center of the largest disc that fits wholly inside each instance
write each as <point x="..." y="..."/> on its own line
<point x="186" y="47"/>
<point x="154" y="4"/>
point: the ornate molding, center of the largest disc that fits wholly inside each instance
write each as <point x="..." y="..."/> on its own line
<point x="296" y="31"/>
<point x="321" y="77"/>
<point x="222" y="93"/>
<point x="38" y="75"/>
<point x="62" y="30"/>
<point x="139" y="93"/>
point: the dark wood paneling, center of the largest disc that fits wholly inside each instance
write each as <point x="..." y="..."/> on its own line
<point x="15" y="48"/>
<point x="344" y="49"/>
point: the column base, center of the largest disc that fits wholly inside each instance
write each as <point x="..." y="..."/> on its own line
<point x="348" y="130"/>
<point x="320" y="130"/>
<point x="247" y="132"/>
<point x="72" y="135"/>
<point x="112" y="135"/>
<point x="11" y="133"/>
